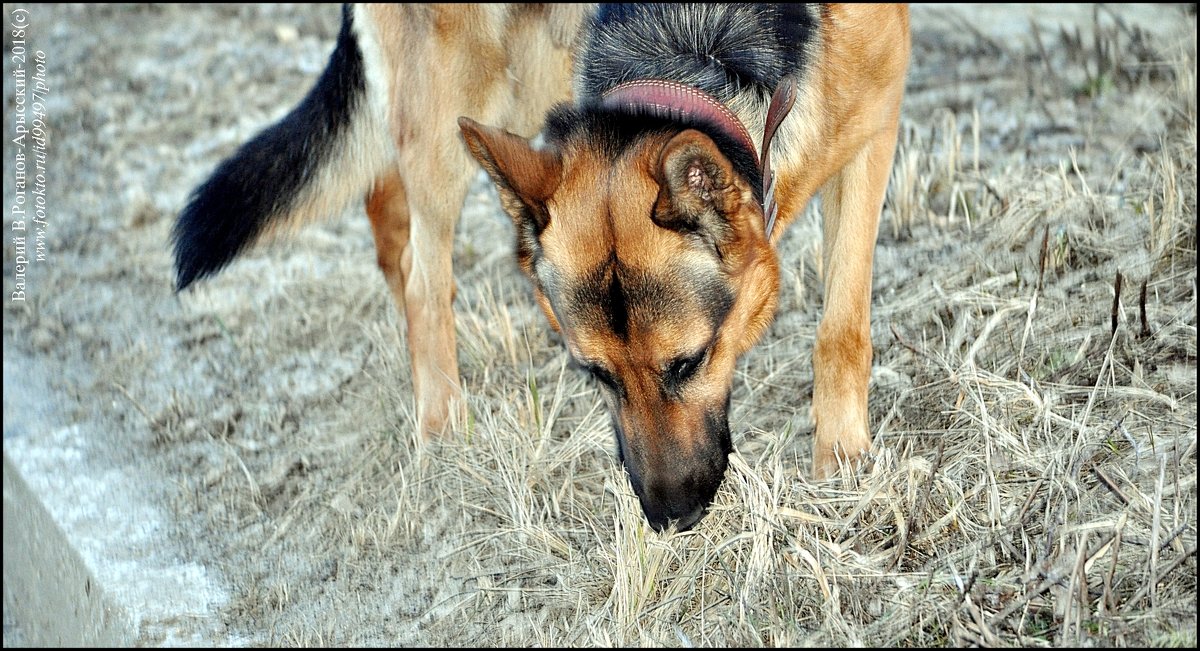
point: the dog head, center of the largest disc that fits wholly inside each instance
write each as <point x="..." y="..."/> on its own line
<point x="647" y="252"/>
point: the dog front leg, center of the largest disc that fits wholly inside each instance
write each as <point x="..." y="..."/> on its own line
<point x="437" y="175"/>
<point x="852" y="200"/>
<point x="388" y="208"/>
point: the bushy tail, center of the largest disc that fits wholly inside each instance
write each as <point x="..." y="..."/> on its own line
<point x="317" y="159"/>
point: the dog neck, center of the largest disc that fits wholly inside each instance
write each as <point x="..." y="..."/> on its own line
<point x="674" y="100"/>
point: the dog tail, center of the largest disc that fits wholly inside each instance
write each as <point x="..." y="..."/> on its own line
<point x="324" y="154"/>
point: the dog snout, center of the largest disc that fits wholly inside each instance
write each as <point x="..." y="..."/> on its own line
<point x="676" y="487"/>
<point x="680" y="500"/>
<point x="675" y="465"/>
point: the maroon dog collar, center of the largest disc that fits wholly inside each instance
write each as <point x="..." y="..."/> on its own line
<point x="675" y="100"/>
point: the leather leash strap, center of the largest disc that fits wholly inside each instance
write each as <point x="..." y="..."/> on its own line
<point x="781" y="105"/>
<point x="672" y="99"/>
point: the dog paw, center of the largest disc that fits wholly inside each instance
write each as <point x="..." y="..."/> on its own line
<point x="441" y="413"/>
<point x="832" y="451"/>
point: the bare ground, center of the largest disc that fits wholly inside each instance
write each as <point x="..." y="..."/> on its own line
<point x="1033" y="399"/>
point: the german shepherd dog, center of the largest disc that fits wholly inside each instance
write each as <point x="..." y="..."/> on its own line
<point x="646" y="223"/>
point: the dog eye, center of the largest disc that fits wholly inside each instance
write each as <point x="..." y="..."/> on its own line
<point x="602" y="376"/>
<point x="682" y="369"/>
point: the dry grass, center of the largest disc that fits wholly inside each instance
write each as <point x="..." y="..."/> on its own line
<point x="1033" y="402"/>
<point x="1035" y="475"/>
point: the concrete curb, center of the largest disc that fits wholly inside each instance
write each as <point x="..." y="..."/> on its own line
<point x="53" y="597"/>
<point x="86" y="562"/>
<point x="88" y="559"/>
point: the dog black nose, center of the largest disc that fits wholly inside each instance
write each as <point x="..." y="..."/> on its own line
<point x="682" y="523"/>
<point x="680" y="508"/>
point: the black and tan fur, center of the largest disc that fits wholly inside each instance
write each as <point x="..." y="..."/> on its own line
<point x="381" y="124"/>
<point x="643" y="235"/>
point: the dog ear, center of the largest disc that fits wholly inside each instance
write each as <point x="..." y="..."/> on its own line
<point x="526" y="177"/>
<point x="699" y="189"/>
